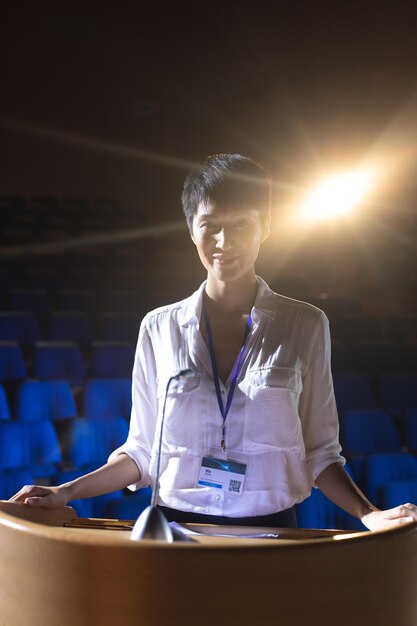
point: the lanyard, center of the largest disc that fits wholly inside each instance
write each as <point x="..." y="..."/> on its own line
<point x="225" y="410"/>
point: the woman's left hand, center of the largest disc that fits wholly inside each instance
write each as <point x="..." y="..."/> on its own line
<point x="399" y="515"/>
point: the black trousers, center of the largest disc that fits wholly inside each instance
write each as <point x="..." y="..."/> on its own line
<point x="283" y="519"/>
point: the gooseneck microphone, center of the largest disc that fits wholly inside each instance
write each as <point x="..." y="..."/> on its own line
<point x="152" y="523"/>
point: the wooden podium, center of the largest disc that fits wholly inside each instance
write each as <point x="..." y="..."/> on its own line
<point x="91" y="573"/>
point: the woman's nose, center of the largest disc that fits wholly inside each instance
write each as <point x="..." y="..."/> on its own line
<point x="223" y="240"/>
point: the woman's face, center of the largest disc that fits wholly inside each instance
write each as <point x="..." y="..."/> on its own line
<point x="228" y="240"/>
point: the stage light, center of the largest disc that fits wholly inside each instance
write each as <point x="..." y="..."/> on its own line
<point x="337" y="195"/>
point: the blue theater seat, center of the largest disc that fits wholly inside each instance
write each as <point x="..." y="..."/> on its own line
<point x="11" y="481"/>
<point x="70" y="326"/>
<point x="119" y="327"/>
<point x="111" y="359"/>
<point x="33" y="300"/>
<point x="376" y="356"/>
<point x="317" y="511"/>
<point x="90" y="441"/>
<point x="77" y="300"/>
<point x="128" y="507"/>
<point x="4" y="405"/>
<point x="364" y="432"/>
<point x="107" y="397"/>
<point x="381" y="468"/>
<point x="397" y="492"/>
<point x="22" y="327"/>
<point x="33" y="446"/>
<point x="12" y="363"/>
<point x="353" y="391"/>
<point x="59" y="359"/>
<point x="398" y="391"/>
<point x="410" y="429"/>
<point x="45" y="400"/>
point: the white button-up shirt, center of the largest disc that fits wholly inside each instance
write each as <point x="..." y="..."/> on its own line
<point x="282" y="422"/>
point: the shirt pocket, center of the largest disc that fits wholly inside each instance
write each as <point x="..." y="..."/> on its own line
<point x="272" y="421"/>
<point x="181" y="425"/>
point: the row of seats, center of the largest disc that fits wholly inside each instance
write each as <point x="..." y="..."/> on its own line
<point x="76" y="311"/>
<point x="65" y="360"/>
<point x="25" y="328"/>
<point x="54" y="400"/>
<point x="390" y="480"/>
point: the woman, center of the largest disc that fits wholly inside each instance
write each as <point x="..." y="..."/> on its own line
<point x="255" y="427"/>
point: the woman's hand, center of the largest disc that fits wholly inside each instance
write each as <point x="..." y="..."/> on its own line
<point x="46" y="497"/>
<point x="399" y="515"/>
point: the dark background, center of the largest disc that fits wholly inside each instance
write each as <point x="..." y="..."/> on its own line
<point x="117" y="100"/>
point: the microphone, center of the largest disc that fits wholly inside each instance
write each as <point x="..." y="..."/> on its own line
<point x="152" y="523"/>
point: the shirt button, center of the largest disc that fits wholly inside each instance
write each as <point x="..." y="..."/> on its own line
<point x="217" y="498"/>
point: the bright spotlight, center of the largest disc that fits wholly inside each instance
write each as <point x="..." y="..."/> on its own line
<point x="337" y="195"/>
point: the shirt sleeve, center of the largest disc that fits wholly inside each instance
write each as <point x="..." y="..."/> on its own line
<point x="144" y="409"/>
<point x="317" y="409"/>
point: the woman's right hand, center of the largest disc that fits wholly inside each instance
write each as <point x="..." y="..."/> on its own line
<point x="45" y="497"/>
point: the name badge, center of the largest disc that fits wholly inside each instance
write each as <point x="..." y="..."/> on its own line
<point x="223" y="474"/>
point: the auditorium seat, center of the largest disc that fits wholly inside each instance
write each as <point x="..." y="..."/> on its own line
<point x="107" y="397"/>
<point x="45" y="400"/>
<point x="4" y="405"/>
<point x="119" y="326"/>
<point x="353" y="391"/>
<point x="398" y="391"/>
<point x="42" y="278"/>
<point x="373" y="357"/>
<point x="12" y="481"/>
<point x="362" y="328"/>
<point x="396" y="492"/>
<point x="317" y="511"/>
<point x="112" y="359"/>
<point x="402" y="328"/>
<point x="77" y="300"/>
<point x="14" y="446"/>
<point x="410" y="429"/>
<point x="129" y="507"/>
<point x="84" y="280"/>
<point x="19" y="326"/>
<point x="381" y="468"/>
<point x="59" y="359"/>
<point x="12" y="363"/>
<point x="70" y="326"/>
<point x="91" y="441"/>
<point x="364" y="432"/>
<point x="30" y="299"/>
<point x="29" y="445"/>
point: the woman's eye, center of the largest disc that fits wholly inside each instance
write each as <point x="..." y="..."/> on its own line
<point x="241" y="223"/>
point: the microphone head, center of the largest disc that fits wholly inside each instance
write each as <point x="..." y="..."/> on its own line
<point x="184" y="375"/>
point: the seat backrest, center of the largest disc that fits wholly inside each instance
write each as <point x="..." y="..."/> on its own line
<point x="45" y="399"/>
<point x="107" y="397"/>
<point x="368" y="432"/>
<point x="381" y="468"/>
<point x="19" y="326"/>
<point x="12" y="363"/>
<point x="398" y="390"/>
<point x="353" y="391"/>
<point x="4" y="405"/>
<point x="396" y="492"/>
<point x="111" y="359"/>
<point x="70" y="326"/>
<point x="62" y="360"/>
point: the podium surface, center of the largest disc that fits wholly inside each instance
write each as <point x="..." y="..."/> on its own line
<point x="91" y="573"/>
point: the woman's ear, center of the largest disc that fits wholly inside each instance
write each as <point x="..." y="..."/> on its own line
<point x="266" y="228"/>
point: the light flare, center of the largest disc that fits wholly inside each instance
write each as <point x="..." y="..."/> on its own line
<point x="337" y="195"/>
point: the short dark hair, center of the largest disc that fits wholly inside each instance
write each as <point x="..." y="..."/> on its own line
<point x="229" y="180"/>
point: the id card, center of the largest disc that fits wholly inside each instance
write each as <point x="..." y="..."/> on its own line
<point x="223" y="474"/>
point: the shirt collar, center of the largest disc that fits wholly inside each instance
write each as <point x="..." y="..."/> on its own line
<point x="263" y="304"/>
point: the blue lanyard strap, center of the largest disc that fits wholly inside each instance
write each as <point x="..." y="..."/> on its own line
<point x="225" y="410"/>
